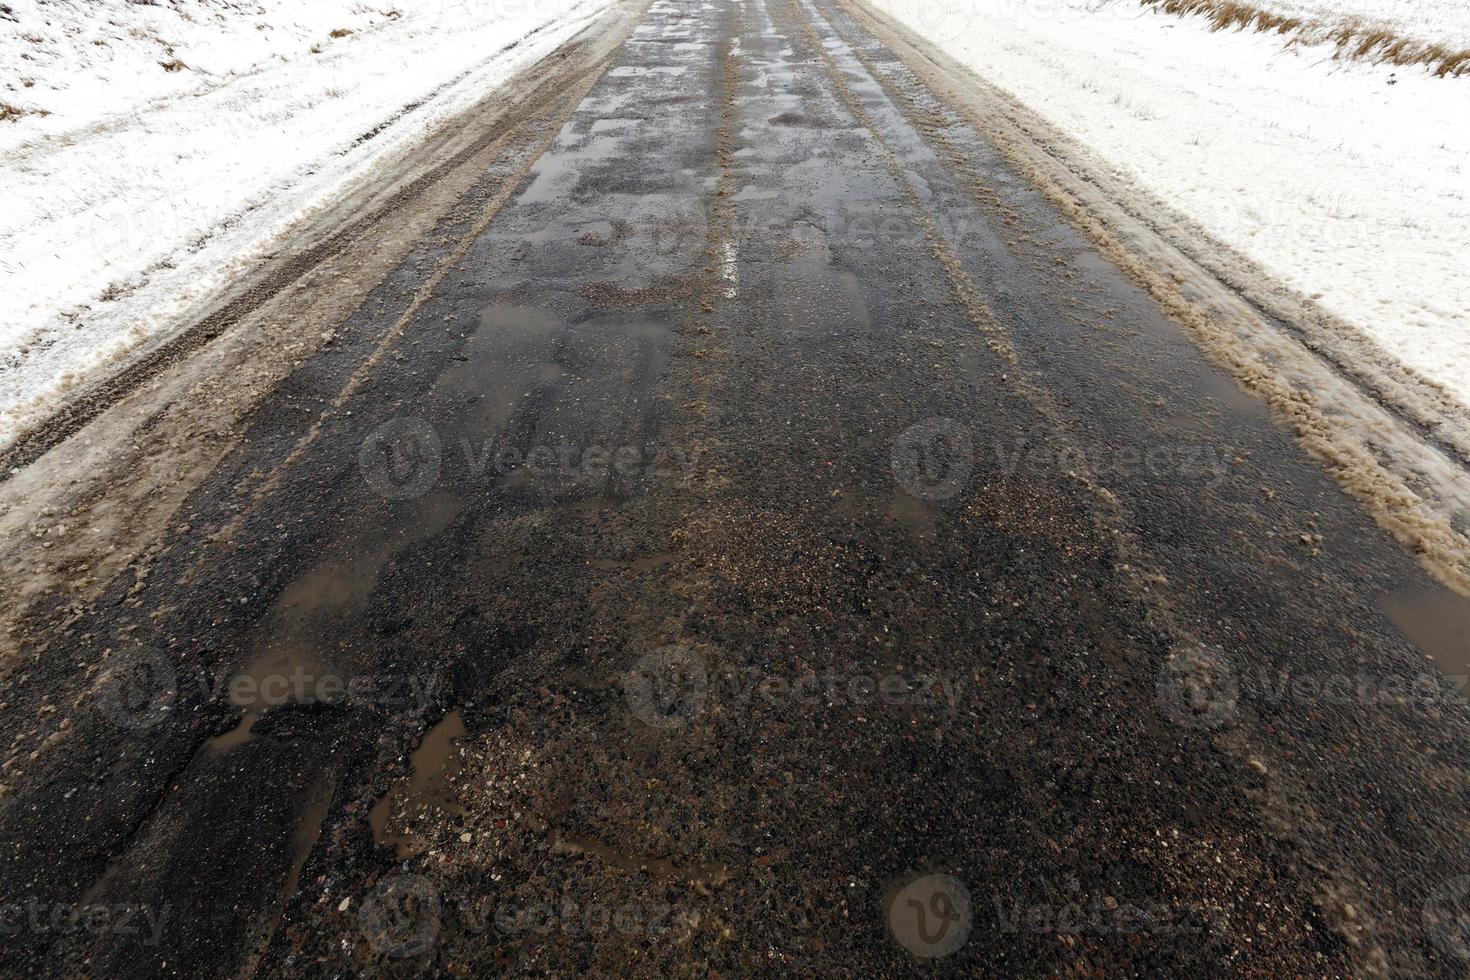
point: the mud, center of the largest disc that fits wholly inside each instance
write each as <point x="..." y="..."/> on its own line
<point x="772" y="536"/>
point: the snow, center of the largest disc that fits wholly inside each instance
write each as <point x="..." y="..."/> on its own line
<point x="1426" y="20"/>
<point x="134" y="193"/>
<point x="1345" y="180"/>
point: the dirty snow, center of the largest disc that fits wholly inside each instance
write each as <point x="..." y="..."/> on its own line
<point x="1347" y="181"/>
<point x="150" y="153"/>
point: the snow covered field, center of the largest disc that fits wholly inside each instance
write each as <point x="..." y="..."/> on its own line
<point x="151" y="152"/>
<point x="1346" y="180"/>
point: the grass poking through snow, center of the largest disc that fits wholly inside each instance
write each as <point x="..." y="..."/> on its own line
<point x="10" y="113"/>
<point x="1353" y="38"/>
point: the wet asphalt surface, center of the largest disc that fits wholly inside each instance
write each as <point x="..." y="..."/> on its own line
<point x="781" y="543"/>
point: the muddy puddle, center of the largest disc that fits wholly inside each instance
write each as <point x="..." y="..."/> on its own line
<point x="428" y="787"/>
<point x="288" y="671"/>
<point x="1437" y="622"/>
<point x="512" y="350"/>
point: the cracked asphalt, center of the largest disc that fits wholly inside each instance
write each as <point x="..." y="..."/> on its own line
<point x="773" y="539"/>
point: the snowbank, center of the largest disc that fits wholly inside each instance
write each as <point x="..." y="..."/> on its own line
<point x="1443" y="21"/>
<point x="151" y="152"/>
<point x="1345" y="180"/>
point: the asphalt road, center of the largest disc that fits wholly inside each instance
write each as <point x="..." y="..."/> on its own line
<point x="775" y="541"/>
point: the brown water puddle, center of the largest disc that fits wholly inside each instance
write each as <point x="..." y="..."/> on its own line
<point x="286" y="672"/>
<point x="511" y="352"/>
<point x="288" y="669"/>
<point x="432" y="768"/>
<point x="342" y="585"/>
<point x="238" y="735"/>
<point x="304" y="838"/>
<point x="1436" y="621"/>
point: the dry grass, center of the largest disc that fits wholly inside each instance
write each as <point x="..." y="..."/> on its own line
<point x="1352" y="38"/>
<point x="11" y="113"/>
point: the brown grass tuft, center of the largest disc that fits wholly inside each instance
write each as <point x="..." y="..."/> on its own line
<point x="1352" y="38"/>
<point x="1372" y="39"/>
<point x="1456" y="63"/>
<point x="11" y="113"/>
